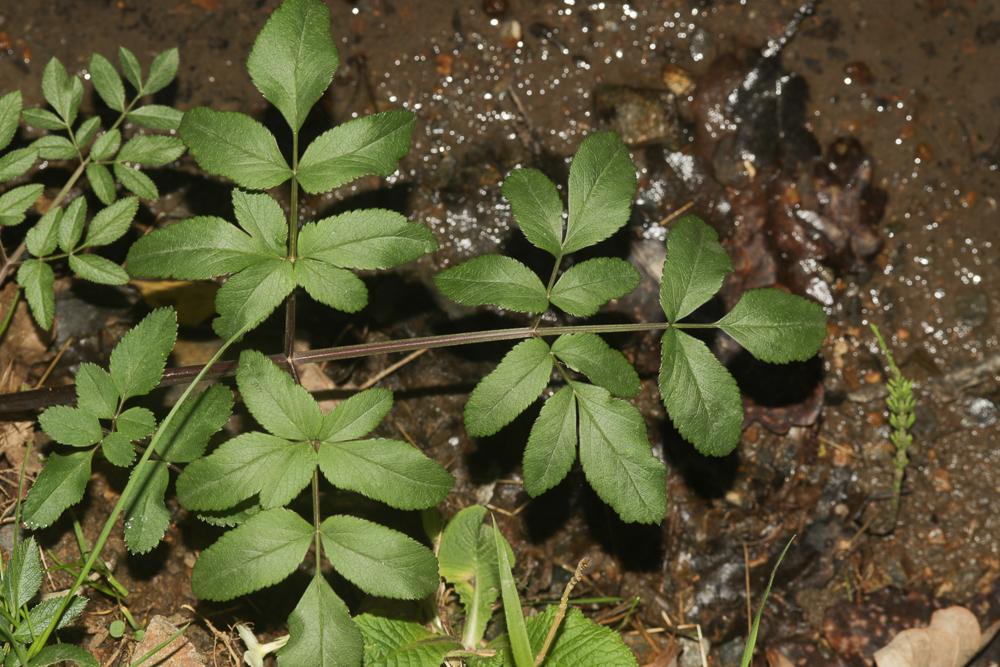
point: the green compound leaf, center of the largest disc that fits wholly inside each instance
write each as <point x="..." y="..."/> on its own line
<point x="156" y="117"/>
<point x="118" y="449"/>
<point x="389" y="471"/>
<point x="587" y="286"/>
<point x="293" y="58"/>
<point x="775" y="326"/>
<point x="101" y="182"/>
<point x="580" y="642"/>
<point x="95" y="391"/>
<point x="467" y="558"/>
<point x="14" y="203"/>
<point x="106" y="145"/>
<point x="72" y="223"/>
<point x="234" y="145"/>
<point x="552" y="442"/>
<point x="60" y="485"/>
<point x="251" y="295"/>
<point x="262" y="218"/>
<point x="136" y="423"/>
<point x="162" y="71"/>
<point x="695" y="266"/>
<point x="259" y="553"/>
<point x="360" y="147"/>
<point x="395" y="643"/>
<point x="321" y="631"/>
<point x="10" y="117"/>
<point x="251" y="463"/>
<point x="601" y="187"/>
<point x="41" y="239"/>
<point x="495" y="280"/>
<point x="138" y="360"/>
<point x="97" y="270"/>
<point x="111" y="223"/>
<point x="16" y="162"/>
<point x="331" y="285"/>
<point x="131" y="67"/>
<point x="71" y="426"/>
<point x="357" y="416"/>
<point x="378" y="560"/>
<point x="275" y="400"/>
<point x="700" y="395"/>
<point x="107" y="83"/>
<point x="147" y="517"/>
<point x="136" y="182"/>
<point x="194" y="249"/>
<point x="605" y="366"/>
<point x="36" y="279"/>
<point x="185" y="438"/>
<point x="537" y="208"/>
<point x="514" y="384"/>
<point x="616" y="456"/>
<point x="366" y="239"/>
<point x="151" y="150"/>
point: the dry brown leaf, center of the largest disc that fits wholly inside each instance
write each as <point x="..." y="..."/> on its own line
<point x="777" y="659"/>
<point x="194" y="301"/>
<point x="951" y="640"/>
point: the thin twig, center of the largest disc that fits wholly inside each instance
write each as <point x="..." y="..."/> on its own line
<point x="561" y="613"/>
<point x="52" y="364"/>
<point x="389" y="370"/>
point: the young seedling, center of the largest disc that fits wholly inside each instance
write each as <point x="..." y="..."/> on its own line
<point x="751" y="644"/>
<point x="902" y="416"/>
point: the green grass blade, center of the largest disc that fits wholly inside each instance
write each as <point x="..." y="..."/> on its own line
<point x="517" y="631"/>
<point x="159" y="647"/>
<point x="752" y="639"/>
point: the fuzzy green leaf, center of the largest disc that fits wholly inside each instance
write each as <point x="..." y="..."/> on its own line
<point x="275" y="400"/>
<point x="601" y="186"/>
<point x="15" y="203"/>
<point x="495" y="280"/>
<point x="587" y="286"/>
<point x="588" y="354"/>
<point x="106" y="145"/>
<point x="775" y="326"/>
<point x="107" y="82"/>
<point x="62" y="91"/>
<point x="391" y="642"/>
<point x="138" y="360"/>
<point x="251" y="295"/>
<point x="57" y="654"/>
<point x="262" y="218"/>
<point x="10" y="117"/>
<point x="367" y="145"/>
<point x="42" y="119"/>
<point x="162" y="71"/>
<point x="102" y="183"/>
<point x="379" y="560"/>
<point x="36" y="279"/>
<point x="700" y="395"/>
<point x="97" y="270"/>
<point x="72" y="223"/>
<point x="16" y="162"/>
<point x="156" y="117"/>
<point x="513" y="385"/>
<point x="118" y="450"/>
<point x="321" y="631"/>
<point x="60" y="485"/>
<point x="233" y="516"/>
<point x="42" y="238"/>
<point x="131" y="68"/>
<point x="193" y="249"/>
<point x="695" y="266"/>
<point x="151" y="150"/>
<point x="357" y="416"/>
<point x="147" y="516"/>
<point x="95" y="391"/>
<point x="331" y="285"/>
<point x="185" y="438"/>
<point x="259" y="553"/>
<point x="234" y="145"/>
<point x="390" y="471"/>
<point x="366" y="239"/>
<point x="86" y="131"/>
<point x="23" y="576"/>
<point x="616" y="456"/>
<point x="43" y="613"/>
<point x="579" y="642"/>
<point x="136" y="423"/>
<point x="136" y="182"/>
<point x="70" y="426"/>
<point x="537" y="208"/>
<point x="54" y="147"/>
<point x="251" y="463"/>
<point x="551" y="446"/>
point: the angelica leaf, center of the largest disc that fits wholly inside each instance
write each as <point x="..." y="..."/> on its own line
<point x="138" y="360"/>
<point x="151" y="150"/>
<point x="57" y="654"/>
<point x="72" y="223"/>
<point x="495" y="280"/>
<point x="70" y="426"/>
<point x="42" y="119"/>
<point x="106" y="145"/>
<point x="251" y="295"/>
<point x="579" y="641"/>
<point x="259" y="553"/>
<point x="331" y="285"/>
<point x="616" y="456"/>
<point x="368" y="145"/>
<point x="162" y="71"/>
<point x="62" y="91"/>
<point x="234" y="145"/>
<point x="378" y="560"/>
<point x="118" y="450"/>
<point x="366" y="239"/>
<point x="135" y="181"/>
<point x="537" y="208"/>
<point x="136" y="423"/>
<point x="587" y="286"/>
<point x="551" y="446"/>
<point x="156" y="117"/>
<point x="275" y="400"/>
<point x="131" y="68"/>
<point x="101" y="182"/>
<point x="107" y="82"/>
<point x="262" y="218"/>
<point x="97" y="270"/>
<point x="10" y="116"/>
<point x="321" y="631"/>
<point x="36" y="279"/>
<point x="587" y="353"/>
<point x="700" y="395"/>
<point x="293" y="58"/>
<point x="54" y="147"/>
<point x="60" y="485"/>
<point x="95" y="391"/>
<point x="16" y="162"/>
<point x="389" y="471"/>
<point x="601" y="186"/>
<point x="42" y="238"/>
<point x="86" y="131"/>
<point x="15" y="203"/>
<point x="147" y="516"/>
<point x="390" y="641"/>
<point x="23" y="577"/>
<point x="509" y="389"/>
<point x="357" y="416"/>
<point x="43" y="613"/>
<point x="775" y="326"/>
<point x="695" y="266"/>
<point x="193" y="249"/>
<point x="185" y="438"/>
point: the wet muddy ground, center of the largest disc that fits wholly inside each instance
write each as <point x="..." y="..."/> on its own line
<point x="857" y="162"/>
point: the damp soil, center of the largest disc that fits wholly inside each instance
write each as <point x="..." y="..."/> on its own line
<point x="852" y="155"/>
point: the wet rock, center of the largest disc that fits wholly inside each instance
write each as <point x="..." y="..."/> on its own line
<point x="639" y="116"/>
<point x="178" y="653"/>
<point x="981" y="412"/>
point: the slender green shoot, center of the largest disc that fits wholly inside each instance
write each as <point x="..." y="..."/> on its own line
<point x="752" y="639"/>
